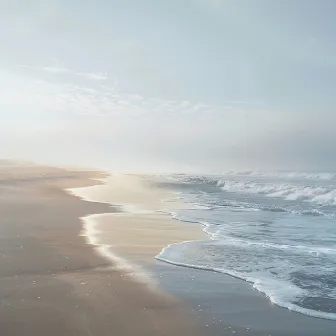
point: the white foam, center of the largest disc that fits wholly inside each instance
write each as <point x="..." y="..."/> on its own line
<point x="289" y="191"/>
<point x="272" y="265"/>
<point x="325" y="198"/>
<point x="279" y="292"/>
<point x="282" y="298"/>
<point x="91" y="232"/>
<point x="286" y="175"/>
<point x="269" y="287"/>
<point x="228" y="240"/>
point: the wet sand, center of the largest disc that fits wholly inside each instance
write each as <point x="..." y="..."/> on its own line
<point x="52" y="282"/>
<point x="222" y="304"/>
<point x="139" y="230"/>
<point x="63" y="272"/>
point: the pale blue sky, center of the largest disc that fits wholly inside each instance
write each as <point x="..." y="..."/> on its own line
<point x="169" y="84"/>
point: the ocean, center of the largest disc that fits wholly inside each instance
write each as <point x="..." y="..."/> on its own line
<point x="275" y="230"/>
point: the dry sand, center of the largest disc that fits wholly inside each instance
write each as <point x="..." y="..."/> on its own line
<point x="52" y="282"/>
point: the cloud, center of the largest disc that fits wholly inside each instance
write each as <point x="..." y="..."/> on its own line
<point x="124" y="128"/>
<point x="51" y="69"/>
<point x="94" y="76"/>
<point x="185" y="131"/>
<point x="102" y="100"/>
<point x="56" y="69"/>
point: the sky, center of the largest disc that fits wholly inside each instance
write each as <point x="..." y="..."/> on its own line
<point x="169" y="85"/>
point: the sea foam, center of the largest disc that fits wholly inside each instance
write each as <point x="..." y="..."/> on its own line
<point x="91" y="232"/>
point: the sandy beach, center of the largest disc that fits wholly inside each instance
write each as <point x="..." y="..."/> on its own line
<point x="143" y="225"/>
<point x="77" y="257"/>
<point x="54" y="283"/>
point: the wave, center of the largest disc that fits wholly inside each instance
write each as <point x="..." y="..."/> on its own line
<point x="267" y="256"/>
<point x="250" y="207"/>
<point x="192" y="179"/>
<point x="231" y="241"/>
<point x="280" y="292"/>
<point x="315" y="250"/>
<point x="285" y="175"/>
<point x="290" y="192"/>
<point x="321" y="195"/>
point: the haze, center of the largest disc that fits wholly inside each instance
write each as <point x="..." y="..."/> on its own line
<point x="147" y="85"/>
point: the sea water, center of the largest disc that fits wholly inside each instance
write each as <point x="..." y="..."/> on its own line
<point x="276" y="230"/>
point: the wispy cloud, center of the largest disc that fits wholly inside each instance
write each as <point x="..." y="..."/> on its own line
<point x="104" y="100"/>
<point x="98" y="76"/>
<point x="52" y="69"/>
<point x="56" y="69"/>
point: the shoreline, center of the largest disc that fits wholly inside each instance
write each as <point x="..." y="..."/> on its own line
<point x="54" y="283"/>
<point x="144" y="211"/>
<point x="130" y="212"/>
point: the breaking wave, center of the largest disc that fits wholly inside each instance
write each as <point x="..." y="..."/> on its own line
<point x="276" y="231"/>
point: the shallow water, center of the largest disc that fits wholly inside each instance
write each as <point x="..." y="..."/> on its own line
<point x="274" y="230"/>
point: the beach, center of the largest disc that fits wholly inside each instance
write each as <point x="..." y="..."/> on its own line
<point x="54" y="283"/>
<point x="142" y="225"/>
<point x="79" y="255"/>
<point x="147" y="225"/>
